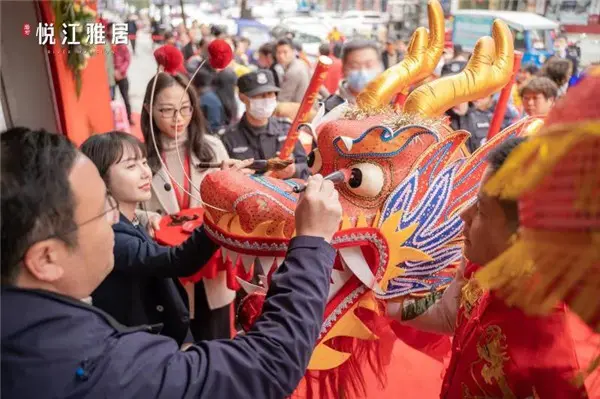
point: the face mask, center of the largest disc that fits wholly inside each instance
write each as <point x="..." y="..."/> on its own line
<point x="357" y="80"/>
<point x="262" y="108"/>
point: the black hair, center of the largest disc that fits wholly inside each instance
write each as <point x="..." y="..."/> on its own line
<point x="108" y="148"/>
<point x="267" y="49"/>
<point x="195" y="131"/>
<point x="168" y="35"/>
<point x="338" y="49"/>
<point x="358" y="44"/>
<point x="498" y="155"/>
<point x="531" y="69"/>
<point x="225" y="84"/>
<point x="559" y="70"/>
<point x="204" y="77"/>
<point x="324" y="49"/>
<point x="496" y="158"/>
<point x="216" y="30"/>
<point x="37" y="199"/>
<point x="284" y="42"/>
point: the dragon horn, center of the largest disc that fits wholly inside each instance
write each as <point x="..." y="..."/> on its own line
<point x="488" y="70"/>
<point x="422" y="57"/>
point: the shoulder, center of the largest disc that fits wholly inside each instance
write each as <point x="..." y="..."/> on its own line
<point x="280" y="125"/>
<point x="231" y="133"/>
<point x="216" y="144"/>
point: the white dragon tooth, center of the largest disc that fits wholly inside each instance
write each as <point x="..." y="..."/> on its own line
<point x="348" y="142"/>
<point x="224" y="254"/>
<point x="278" y="262"/>
<point x="247" y="261"/>
<point x="248" y="287"/>
<point x="339" y="278"/>
<point x="356" y="262"/>
<point x="233" y="256"/>
<point x="266" y="262"/>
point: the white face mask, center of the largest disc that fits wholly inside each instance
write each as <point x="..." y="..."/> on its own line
<point x="262" y="108"/>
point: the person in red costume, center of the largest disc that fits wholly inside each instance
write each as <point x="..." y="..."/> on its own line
<point x="498" y="351"/>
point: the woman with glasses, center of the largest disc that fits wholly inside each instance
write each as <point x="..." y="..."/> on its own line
<point x="180" y="142"/>
<point x="143" y="287"/>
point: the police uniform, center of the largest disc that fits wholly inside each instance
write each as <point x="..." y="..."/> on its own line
<point x="244" y="141"/>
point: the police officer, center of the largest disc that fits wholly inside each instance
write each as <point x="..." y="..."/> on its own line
<point x="260" y="135"/>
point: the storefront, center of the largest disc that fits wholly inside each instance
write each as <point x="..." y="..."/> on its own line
<point x="37" y="87"/>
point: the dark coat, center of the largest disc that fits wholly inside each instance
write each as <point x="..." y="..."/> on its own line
<point x="243" y="141"/>
<point x="56" y="347"/>
<point x="143" y="287"/>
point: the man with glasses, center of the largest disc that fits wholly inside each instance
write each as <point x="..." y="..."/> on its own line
<point x="57" y="244"/>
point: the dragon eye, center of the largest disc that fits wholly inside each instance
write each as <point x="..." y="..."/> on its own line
<point x="314" y="161"/>
<point x="366" y="180"/>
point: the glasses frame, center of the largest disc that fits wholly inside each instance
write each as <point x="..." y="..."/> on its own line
<point x="173" y="114"/>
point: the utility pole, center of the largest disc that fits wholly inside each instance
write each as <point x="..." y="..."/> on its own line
<point x="245" y="12"/>
<point x="183" y="15"/>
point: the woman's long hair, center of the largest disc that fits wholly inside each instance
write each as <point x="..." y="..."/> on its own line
<point x="196" y="130"/>
<point x="225" y="84"/>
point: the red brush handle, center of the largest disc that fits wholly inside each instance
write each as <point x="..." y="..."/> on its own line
<point x="307" y="102"/>
<point x="504" y="97"/>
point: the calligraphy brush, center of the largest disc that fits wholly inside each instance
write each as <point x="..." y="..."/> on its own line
<point x="263" y="165"/>
<point x="339" y="176"/>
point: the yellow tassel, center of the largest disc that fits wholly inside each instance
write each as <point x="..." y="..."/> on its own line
<point x="542" y="268"/>
<point x="534" y="159"/>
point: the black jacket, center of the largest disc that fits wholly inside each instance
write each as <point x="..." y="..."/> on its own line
<point x="243" y="141"/>
<point x="143" y="287"/>
<point x="56" y="347"/>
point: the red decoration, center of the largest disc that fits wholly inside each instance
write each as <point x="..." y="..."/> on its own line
<point x="220" y="54"/>
<point x="250" y="309"/>
<point x="170" y="58"/>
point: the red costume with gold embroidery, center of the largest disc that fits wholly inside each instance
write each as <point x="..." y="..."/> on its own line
<point x="499" y="352"/>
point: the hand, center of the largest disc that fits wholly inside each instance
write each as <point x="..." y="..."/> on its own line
<point x="319" y="211"/>
<point x="153" y="224"/>
<point x="236" y="164"/>
<point x="287" y="173"/>
<point x="118" y="75"/>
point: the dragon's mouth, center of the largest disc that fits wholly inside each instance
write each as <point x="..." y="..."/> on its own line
<point x="362" y="251"/>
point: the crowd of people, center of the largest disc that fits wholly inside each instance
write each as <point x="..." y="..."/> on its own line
<point x="78" y="252"/>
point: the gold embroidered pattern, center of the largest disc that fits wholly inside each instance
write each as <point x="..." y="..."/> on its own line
<point x="491" y="349"/>
<point x="470" y="294"/>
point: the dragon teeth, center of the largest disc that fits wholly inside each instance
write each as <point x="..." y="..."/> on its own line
<point x="266" y="262"/>
<point x="355" y="261"/>
<point x="247" y="261"/>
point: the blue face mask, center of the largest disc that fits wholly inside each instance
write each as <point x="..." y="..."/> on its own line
<point x="357" y="80"/>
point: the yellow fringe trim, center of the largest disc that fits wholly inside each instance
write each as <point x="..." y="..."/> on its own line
<point x="534" y="159"/>
<point x="542" y="268"/>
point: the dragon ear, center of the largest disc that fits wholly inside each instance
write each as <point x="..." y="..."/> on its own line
<point x="488" y="70"/>
<point x="423" y="55"/>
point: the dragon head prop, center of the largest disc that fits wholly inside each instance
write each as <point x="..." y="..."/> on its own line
<point x="401" y="231"/>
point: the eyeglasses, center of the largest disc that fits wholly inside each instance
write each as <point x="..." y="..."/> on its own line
<point x="111" y="213"/>
<point x="171" y="113"/>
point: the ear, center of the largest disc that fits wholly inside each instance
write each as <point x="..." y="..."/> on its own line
<point x="42" y="260"/>
<point x="244" y="98"/>
<point x="147" y="108"/>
